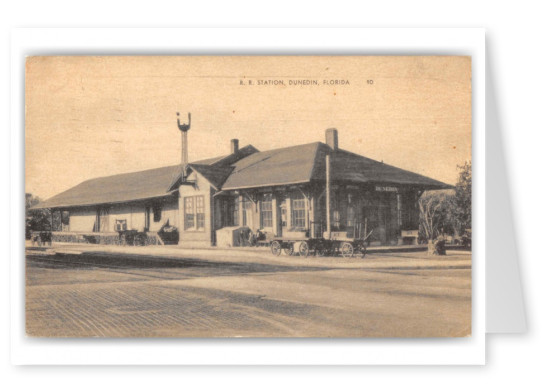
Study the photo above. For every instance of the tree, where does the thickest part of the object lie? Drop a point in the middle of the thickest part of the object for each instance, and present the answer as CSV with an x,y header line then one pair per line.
x,y
436,214
35,220
463,192
447,212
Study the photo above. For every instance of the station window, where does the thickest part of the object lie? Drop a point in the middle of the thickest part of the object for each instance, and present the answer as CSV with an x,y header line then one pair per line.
x,y
189,213
200,212
298,208
194,213
266,211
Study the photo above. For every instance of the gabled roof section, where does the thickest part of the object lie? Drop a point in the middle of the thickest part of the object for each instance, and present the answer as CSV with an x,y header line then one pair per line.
x,y
274,167
116,188
216,170
210,161
215,174
234,157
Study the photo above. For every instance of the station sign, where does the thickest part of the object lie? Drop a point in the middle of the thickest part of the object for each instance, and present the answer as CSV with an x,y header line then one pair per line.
x,y
386,188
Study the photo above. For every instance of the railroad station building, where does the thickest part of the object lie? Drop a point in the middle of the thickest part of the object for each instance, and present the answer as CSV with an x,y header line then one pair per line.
x,y
278,193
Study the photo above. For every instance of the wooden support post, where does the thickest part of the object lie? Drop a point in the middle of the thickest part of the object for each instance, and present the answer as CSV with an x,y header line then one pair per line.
x,y
276,217
181,219
311,224
289,209
240,210
328,193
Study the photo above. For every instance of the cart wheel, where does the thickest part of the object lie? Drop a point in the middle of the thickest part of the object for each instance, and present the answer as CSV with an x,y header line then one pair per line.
x,y
303,249
289,250
347,250
276,248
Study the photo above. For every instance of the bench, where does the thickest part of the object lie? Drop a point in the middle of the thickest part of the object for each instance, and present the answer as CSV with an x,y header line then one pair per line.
x,y
410,236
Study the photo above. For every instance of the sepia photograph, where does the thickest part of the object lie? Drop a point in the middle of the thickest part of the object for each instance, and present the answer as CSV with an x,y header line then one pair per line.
x,y
248,196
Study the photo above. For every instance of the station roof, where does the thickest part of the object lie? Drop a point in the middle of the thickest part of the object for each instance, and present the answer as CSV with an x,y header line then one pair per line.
x,y
248,168
306,163
116,189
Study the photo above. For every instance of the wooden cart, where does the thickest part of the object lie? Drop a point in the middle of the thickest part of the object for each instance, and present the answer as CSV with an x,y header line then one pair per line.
x,y
346,243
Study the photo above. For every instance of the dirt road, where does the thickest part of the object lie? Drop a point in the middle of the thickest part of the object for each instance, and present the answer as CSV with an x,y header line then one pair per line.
x,y
130,295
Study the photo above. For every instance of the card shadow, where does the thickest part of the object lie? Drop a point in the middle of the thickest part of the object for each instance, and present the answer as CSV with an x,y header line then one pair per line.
x,y
505,312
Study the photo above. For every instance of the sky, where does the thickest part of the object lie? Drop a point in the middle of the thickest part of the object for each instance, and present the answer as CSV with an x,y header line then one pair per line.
x,y
87,117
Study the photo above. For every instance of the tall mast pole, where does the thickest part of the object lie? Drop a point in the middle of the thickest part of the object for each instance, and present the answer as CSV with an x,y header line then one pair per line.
x,y
184,159
184,129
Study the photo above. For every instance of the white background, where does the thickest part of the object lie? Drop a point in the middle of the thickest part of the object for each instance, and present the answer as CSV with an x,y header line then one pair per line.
x,y
459,351
517,50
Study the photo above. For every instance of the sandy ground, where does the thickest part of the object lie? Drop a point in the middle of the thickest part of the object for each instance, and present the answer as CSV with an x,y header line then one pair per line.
x,y
77,292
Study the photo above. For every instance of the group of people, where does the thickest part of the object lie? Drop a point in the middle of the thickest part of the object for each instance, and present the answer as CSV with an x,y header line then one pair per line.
x,y
249,238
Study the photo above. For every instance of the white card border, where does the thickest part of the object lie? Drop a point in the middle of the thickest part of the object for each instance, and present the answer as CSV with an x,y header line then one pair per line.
x,y
387,41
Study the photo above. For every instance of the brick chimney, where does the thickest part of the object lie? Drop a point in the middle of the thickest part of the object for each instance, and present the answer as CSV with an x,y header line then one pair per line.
x,y
332,138
234,144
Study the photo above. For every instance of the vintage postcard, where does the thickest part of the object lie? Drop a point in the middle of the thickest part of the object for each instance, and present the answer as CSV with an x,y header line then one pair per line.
x,y
248,196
